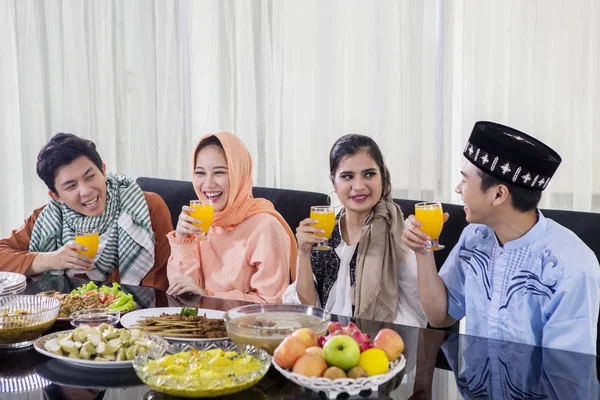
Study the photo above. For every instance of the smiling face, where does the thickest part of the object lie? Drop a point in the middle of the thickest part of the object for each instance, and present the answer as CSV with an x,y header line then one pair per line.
x,y
211,176
81,186
358,182
479,205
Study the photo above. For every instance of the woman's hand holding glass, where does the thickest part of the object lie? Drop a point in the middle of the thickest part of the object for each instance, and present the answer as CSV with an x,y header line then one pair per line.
x,y
306,235
186,224
324,219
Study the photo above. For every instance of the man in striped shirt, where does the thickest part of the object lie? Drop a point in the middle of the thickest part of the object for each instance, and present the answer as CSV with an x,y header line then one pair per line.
x,y
131,224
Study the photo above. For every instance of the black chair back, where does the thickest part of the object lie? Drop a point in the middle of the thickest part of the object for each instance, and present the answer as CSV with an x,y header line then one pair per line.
x,y
293,205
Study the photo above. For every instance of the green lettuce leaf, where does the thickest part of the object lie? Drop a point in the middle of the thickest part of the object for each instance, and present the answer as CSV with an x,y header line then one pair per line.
x,y
83,289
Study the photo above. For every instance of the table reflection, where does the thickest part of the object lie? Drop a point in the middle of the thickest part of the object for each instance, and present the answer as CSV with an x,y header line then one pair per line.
x,y
481,368
501,370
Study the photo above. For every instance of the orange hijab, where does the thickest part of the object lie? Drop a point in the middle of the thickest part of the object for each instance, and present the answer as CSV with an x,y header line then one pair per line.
x,y
241,204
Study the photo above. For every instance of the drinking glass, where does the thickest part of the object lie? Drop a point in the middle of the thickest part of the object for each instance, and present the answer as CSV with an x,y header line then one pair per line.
x,y
431,217
89,239
203,212
326,217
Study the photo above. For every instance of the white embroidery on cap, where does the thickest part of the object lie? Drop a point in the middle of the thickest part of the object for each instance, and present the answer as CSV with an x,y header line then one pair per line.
x,y
505,168
541,182
519,138
494,164
516,175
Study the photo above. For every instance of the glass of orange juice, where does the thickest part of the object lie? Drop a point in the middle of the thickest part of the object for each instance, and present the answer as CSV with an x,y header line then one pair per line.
x,y
326,217
431,217
89,239
203,212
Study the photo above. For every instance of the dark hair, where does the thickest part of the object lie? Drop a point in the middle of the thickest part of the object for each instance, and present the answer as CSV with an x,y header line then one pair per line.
x,y
211,140
60,150
522,199
349,145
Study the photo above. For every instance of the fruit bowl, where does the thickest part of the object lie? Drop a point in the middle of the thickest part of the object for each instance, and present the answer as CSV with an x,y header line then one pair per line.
x,y
266,325
203,382
24,318
333,388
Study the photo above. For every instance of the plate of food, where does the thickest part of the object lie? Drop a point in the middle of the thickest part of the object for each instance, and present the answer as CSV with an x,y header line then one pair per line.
x,y
202,369
24,318
266,325
90,295
178,323
98,347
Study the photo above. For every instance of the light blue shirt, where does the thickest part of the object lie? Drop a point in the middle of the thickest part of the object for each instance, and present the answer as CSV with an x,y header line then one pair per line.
x,y
542,289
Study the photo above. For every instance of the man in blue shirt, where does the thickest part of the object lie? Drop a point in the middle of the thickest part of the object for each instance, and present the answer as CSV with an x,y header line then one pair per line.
x,y
515,274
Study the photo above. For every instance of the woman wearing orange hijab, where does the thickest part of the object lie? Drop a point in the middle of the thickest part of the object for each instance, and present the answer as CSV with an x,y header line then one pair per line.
x,y
251,249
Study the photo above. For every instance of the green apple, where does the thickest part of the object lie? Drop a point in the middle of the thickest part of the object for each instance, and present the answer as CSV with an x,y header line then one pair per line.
x,y
341,351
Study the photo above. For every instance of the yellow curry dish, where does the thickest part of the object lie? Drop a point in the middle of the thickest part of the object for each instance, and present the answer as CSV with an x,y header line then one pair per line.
x,y
209,371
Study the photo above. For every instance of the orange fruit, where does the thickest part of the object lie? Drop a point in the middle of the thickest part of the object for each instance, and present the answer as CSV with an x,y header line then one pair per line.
x,y
374,361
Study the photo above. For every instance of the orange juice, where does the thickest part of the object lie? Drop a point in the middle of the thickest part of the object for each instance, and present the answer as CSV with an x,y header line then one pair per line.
x,y
89,240
204,212
431,217
326,220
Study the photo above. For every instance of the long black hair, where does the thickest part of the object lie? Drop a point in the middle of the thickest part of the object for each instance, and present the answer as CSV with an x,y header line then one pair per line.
x,y
349,145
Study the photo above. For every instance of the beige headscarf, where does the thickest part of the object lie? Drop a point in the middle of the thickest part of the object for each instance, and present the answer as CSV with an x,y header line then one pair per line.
x,y
375,295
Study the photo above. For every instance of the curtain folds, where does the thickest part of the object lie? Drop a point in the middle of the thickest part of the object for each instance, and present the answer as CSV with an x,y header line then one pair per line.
x,y
144,79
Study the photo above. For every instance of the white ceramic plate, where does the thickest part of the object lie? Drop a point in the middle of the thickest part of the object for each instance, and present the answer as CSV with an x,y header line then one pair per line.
x,y
11,279
131,319
12,290
39,347
11,282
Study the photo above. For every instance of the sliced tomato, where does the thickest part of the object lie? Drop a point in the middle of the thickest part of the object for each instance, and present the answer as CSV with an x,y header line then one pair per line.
x,y
91,292
110,298
102,297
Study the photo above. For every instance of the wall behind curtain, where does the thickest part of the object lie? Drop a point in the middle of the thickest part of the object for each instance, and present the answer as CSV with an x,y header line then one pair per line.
x,y
144,79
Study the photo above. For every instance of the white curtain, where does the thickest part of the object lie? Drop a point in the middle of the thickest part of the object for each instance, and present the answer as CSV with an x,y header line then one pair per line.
x,y
532,65
144,79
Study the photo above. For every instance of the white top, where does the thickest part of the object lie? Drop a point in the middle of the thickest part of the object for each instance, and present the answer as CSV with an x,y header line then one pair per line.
x,y
339,302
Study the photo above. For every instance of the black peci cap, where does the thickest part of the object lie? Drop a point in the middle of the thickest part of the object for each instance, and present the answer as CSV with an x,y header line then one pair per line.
x,y
511,155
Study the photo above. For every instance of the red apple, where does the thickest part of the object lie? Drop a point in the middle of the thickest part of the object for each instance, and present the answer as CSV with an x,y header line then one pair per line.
x,y
390,342
309,365
309,338
288,351
315,351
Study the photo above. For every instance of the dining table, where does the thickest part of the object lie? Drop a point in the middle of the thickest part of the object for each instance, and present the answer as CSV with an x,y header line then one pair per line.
x,y
439,364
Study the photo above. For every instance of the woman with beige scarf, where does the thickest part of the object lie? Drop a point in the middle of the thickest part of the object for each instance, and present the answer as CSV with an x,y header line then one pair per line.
x,y
368,273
